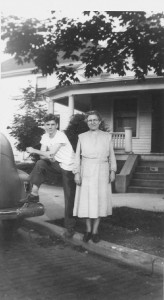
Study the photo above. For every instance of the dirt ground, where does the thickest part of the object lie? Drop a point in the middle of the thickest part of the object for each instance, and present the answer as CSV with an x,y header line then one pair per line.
x,y
132,228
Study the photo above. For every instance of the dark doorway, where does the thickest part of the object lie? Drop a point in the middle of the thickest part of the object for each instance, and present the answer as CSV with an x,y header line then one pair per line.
x,y
125,114
158,123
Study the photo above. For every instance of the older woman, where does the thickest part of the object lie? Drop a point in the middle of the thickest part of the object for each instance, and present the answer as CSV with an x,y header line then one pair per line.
x,y
95,167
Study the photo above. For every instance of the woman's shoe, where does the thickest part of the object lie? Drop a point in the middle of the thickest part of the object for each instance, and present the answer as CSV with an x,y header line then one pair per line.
x,y
95,238
87,236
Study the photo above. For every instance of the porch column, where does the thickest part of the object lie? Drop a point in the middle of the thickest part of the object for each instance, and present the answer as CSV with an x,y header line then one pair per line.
x,y
51,106
128,139
71,105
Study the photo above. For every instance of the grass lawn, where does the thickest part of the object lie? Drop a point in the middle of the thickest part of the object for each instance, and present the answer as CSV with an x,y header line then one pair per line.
x,y
129,227
132,228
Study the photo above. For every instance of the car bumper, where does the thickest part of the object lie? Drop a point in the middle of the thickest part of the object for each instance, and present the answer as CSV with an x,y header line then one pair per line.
x,y
28,210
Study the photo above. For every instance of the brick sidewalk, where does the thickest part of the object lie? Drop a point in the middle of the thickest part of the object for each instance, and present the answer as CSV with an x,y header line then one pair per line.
x,y
53,200
36,267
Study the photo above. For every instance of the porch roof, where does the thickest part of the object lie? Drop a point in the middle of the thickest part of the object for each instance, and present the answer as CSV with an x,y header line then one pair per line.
x,y
105,86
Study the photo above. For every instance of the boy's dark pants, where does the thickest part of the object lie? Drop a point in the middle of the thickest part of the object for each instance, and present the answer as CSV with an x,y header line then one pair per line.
x,y
38,176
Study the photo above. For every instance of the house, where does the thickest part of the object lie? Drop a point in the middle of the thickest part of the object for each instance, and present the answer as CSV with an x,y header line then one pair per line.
x,y
133,111
14,78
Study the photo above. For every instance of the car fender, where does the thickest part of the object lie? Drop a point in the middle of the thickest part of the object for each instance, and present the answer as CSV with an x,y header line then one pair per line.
x,y
10,184
14,186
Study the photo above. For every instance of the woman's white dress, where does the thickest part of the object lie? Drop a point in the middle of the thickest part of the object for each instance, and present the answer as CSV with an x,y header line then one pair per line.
x,y
94,159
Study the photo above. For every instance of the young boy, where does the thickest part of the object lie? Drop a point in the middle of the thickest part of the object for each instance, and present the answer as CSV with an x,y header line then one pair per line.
x,y
56,153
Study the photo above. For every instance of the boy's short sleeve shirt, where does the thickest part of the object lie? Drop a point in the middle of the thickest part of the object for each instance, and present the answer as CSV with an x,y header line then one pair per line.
x,y
59,138
65,155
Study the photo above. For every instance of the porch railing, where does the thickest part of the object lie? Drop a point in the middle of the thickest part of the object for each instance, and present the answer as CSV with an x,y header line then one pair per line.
x,y
123,140
118,139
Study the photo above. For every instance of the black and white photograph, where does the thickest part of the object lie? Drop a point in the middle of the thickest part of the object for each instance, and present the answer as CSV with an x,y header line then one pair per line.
x,y
82,150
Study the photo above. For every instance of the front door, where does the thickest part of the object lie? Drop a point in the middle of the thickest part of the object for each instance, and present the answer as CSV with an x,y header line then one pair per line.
x,y
125,114
157,145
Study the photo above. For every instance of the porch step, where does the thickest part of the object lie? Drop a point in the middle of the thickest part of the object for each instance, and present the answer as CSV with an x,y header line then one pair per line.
x,y
148,176
149,169
146,190
151,163
152,157
148,183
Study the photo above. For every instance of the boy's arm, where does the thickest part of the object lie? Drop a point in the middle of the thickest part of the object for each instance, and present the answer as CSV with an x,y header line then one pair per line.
x,y
43,149
45,153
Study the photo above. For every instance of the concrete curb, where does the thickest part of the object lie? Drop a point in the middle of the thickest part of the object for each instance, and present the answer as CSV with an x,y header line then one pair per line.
x,y
139,259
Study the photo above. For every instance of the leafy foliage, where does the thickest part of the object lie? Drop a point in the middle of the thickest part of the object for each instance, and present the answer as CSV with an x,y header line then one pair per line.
x,y
108,41
25,127
78,125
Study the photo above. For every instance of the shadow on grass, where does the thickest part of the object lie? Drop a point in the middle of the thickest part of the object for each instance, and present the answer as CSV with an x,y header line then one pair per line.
x,y
129,227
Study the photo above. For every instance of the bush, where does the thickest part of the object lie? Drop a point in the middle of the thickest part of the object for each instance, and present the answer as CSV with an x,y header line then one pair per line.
x,y
26,124
76,126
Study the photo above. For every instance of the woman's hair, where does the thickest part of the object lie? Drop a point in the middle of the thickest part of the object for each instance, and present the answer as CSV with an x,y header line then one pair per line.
x,y
93,112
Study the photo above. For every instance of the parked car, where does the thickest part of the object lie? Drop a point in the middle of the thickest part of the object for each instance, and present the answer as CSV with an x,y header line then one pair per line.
x,y
14,186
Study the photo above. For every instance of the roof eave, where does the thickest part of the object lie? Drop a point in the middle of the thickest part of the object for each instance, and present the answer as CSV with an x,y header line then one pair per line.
x,y
110,85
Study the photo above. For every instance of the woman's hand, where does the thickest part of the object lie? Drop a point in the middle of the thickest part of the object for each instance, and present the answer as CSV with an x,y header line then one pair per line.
x,y
112,176
77,178
30,150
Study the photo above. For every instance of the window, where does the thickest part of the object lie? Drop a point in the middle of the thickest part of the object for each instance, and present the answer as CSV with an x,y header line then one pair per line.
x,y
125,115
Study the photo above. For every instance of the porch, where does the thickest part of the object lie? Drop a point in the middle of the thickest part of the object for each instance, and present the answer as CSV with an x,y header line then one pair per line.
x,y
133,112
128,107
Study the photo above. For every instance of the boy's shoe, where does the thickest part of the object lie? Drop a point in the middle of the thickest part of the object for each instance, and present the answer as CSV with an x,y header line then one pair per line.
x,y
87,236
95,238
30,199
69,233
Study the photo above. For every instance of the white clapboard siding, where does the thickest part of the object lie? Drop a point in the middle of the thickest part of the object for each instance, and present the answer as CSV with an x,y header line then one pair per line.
x,y
142,144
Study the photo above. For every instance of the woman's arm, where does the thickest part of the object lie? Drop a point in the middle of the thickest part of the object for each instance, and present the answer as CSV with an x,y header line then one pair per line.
x,y
76,169
113,164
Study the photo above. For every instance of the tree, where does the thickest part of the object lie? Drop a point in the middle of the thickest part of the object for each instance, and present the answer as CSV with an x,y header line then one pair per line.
x,y
109,41
26,124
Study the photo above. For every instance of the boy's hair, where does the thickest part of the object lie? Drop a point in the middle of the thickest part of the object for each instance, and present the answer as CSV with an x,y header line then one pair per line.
x,y
50,117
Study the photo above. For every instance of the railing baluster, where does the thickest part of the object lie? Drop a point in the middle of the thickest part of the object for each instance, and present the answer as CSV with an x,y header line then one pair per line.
x,y
118,139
